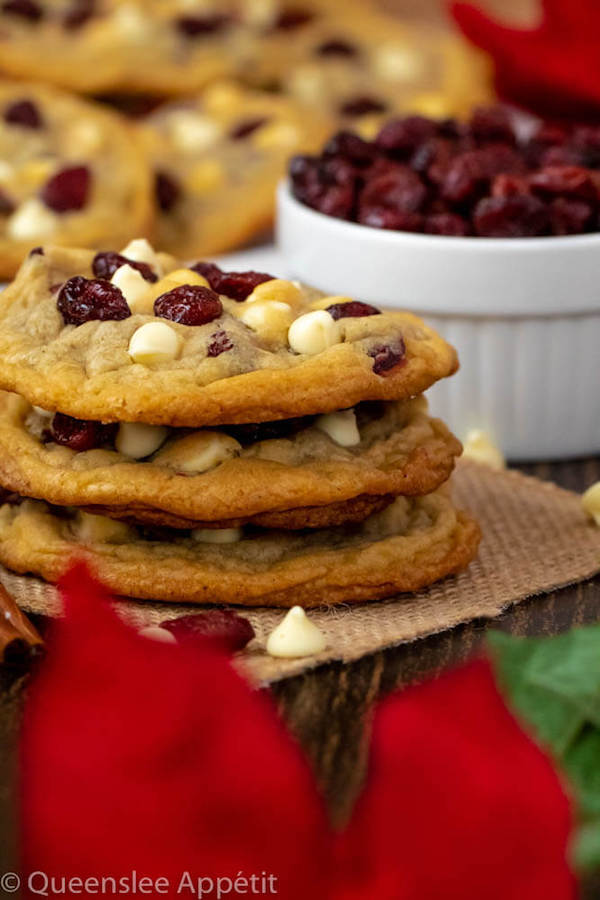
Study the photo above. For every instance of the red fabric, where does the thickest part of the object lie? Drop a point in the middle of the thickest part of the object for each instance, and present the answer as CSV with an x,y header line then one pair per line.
x,y
144,756
552,69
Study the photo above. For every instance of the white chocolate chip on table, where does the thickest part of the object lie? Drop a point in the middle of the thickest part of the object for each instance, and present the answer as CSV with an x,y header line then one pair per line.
x,y
590,501
479,447
295,636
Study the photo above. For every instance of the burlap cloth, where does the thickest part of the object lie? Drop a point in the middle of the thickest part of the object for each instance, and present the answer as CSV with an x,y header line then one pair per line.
x,y
535,538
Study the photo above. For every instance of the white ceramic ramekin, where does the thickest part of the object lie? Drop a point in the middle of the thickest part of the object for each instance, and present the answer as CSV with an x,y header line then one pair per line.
x,y
524,314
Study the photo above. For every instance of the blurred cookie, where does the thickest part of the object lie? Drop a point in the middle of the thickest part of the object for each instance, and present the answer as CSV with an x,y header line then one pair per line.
x,y
70,171
408,546
217,160
169,47
312,472
363,68
137,339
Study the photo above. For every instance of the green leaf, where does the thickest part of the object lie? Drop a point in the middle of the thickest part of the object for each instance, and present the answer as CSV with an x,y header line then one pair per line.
x,y
586,848
582,763
554,719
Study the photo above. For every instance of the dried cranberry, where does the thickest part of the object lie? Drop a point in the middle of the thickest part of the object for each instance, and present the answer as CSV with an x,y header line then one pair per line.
x,y
25,9
36,251
67,190
84,300
255,432
561,156
210,271
6,204
362,106
546,136
400,189
337,47
79,434
328,185
570,216
568,181
401,137
189,304
432,158
585,141
519,215
351,147
469,174
246,128
24,113
448,224
79,13
223,627
491,124
106,264
353,310
200,26
166,191
290,19
388,356
239,285
507,185
235,285
219,342
390,219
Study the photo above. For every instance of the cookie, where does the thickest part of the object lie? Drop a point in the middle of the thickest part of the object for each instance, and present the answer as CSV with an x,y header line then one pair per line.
x,y
361,69
411,544
70,171
217,159
71,341
312,472
145,45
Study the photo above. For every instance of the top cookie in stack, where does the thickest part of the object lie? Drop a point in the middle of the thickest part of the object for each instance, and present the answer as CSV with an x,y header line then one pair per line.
x,y
133,337
213,405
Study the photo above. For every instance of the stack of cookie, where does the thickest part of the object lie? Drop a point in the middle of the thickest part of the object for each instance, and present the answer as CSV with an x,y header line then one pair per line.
x,y
192,110
211,436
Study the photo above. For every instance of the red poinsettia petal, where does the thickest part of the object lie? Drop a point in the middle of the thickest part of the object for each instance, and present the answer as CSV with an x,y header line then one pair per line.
x,y
459,803
553,69
139,755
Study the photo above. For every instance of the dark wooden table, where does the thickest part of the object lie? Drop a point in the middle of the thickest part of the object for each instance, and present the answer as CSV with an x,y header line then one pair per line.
x,y
328,708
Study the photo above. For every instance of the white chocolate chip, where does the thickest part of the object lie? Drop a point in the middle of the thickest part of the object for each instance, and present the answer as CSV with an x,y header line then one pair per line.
x,y
93,529
479,447
131,22
7,172
154,342
140,250
341,427
590,501
84,137
31,220
398,63
192,132
133,286
217,535
313,333
199,452
137,440
276,289
295,636
270,319
155,633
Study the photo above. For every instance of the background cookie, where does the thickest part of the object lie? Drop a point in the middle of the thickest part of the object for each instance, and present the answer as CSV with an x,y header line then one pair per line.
x,y
361,68
217,159
70,171
72,342
409,545
287,475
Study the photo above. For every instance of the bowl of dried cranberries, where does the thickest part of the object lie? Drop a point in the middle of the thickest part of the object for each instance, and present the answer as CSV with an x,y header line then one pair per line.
x,y
490,229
